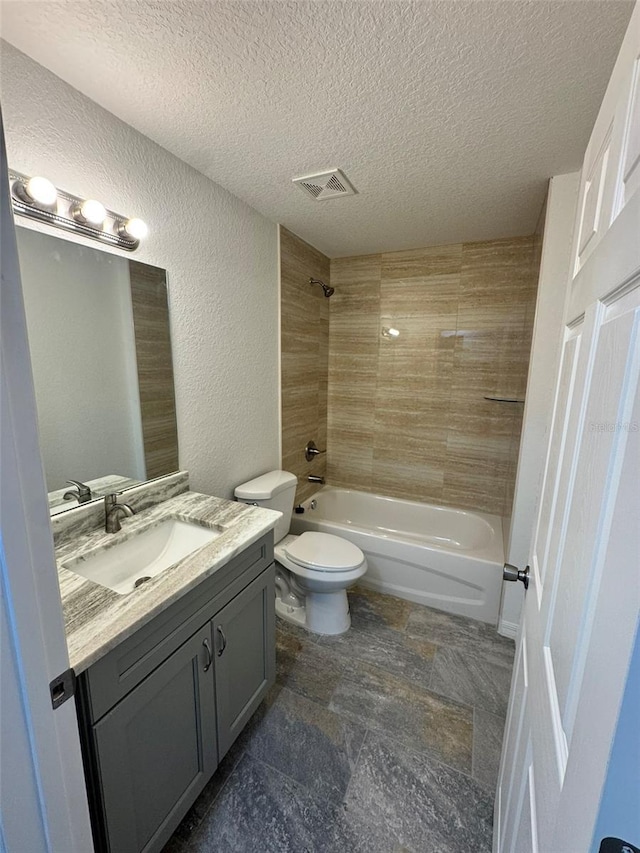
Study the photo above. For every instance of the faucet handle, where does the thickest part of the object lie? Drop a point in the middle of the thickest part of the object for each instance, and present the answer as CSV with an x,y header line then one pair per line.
x,y
84,492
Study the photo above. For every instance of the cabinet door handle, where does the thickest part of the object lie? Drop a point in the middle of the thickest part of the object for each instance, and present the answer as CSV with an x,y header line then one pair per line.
x,y
223,638
209,658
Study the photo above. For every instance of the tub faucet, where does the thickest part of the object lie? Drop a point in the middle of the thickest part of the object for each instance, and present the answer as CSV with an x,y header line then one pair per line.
x,y
113,511
81,493
313,478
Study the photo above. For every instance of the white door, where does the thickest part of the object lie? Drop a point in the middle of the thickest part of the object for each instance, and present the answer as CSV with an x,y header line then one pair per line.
x,y
581,609
43,801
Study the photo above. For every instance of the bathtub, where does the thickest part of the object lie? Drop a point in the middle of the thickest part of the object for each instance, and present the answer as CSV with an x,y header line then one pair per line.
x,y
434,555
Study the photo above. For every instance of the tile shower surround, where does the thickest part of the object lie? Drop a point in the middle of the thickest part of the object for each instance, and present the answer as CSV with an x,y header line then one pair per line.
x,y
305,353
385,739
407,415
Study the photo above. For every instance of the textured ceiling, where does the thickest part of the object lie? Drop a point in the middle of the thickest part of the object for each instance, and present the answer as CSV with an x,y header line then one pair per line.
x,y
447,116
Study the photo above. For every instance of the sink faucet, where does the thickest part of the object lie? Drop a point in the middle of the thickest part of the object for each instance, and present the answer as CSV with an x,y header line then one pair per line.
x,y
81,493
113,512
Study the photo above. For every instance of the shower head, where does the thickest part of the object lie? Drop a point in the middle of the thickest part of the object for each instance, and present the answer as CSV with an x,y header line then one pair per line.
x,y
328,291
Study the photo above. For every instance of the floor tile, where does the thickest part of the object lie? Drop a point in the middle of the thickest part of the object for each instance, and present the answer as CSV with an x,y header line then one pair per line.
x,y
414,716
262,810
404,656
379,609
446,629
404,800
472,679
488,732
313,745
306,668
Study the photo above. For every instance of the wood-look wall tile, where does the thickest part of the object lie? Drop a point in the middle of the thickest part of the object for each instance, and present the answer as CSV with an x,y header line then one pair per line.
x,y
434,260
304,316
406,416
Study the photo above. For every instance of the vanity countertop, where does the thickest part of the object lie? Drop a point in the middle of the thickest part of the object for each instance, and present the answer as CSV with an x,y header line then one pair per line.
x,y
97,619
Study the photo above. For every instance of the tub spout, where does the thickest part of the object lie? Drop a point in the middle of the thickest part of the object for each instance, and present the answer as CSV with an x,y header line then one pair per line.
x,y
313,478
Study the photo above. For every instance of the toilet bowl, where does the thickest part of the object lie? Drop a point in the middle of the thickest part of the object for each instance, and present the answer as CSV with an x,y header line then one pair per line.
x,y
313,570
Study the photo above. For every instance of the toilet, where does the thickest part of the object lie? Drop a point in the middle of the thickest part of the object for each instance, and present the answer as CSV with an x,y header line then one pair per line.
x,y
313,570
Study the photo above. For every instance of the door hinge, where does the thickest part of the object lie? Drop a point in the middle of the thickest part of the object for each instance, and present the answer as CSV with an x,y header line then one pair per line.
x,y
62,688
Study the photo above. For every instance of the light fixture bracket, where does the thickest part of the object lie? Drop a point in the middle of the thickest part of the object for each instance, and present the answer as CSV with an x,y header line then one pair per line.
x,y
60,215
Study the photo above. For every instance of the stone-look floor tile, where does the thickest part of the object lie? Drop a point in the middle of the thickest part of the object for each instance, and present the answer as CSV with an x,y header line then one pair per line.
x,y
369,642
262,810
446,629
408,713
310,744
306,668
403,800
288,629
378,609
488,733
472,679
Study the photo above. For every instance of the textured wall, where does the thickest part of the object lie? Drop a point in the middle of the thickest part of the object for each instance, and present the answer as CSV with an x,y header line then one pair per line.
x,y
305,350
220,256
407,414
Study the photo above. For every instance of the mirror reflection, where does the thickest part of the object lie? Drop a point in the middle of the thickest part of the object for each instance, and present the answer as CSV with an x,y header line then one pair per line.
x,y
100,346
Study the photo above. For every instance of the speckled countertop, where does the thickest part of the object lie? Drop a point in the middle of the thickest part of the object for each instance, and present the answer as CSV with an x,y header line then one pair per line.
x,y
97,619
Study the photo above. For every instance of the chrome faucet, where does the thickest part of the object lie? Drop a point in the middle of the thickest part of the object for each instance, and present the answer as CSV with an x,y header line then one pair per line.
x,y
314,478
113,512
82,495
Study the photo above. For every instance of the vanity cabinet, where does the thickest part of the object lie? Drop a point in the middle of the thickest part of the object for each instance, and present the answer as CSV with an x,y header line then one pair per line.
x,y
158,713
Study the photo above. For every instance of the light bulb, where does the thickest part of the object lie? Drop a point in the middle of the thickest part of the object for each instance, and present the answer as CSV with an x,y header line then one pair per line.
x,y
92,212
41,191
390,332
135,229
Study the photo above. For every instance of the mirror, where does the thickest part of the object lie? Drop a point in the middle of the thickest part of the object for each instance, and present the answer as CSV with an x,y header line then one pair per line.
x,y
100,346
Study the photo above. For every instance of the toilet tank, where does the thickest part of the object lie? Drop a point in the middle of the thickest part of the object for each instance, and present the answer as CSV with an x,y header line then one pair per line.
x,y
275,490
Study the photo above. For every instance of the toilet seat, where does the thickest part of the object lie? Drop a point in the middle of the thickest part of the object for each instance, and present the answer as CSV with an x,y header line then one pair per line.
x,y
323,552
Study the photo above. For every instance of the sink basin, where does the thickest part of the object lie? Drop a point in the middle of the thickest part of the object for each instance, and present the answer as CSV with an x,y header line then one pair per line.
x,y
144,555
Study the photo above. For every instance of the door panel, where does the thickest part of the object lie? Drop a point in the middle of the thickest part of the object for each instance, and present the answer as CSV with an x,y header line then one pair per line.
x,y
631,151
552,480
613,384
514,735
582,608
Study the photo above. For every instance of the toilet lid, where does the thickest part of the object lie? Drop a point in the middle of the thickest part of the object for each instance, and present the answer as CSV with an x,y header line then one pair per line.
x,y
325,552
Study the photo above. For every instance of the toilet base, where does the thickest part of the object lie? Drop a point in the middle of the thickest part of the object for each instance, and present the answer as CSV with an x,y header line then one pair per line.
x,y
322,613
328,612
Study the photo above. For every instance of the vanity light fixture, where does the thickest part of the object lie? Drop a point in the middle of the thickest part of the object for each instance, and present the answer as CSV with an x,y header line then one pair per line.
x,y
37,198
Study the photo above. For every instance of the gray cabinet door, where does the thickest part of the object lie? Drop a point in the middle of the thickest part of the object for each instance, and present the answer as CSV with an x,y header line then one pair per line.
x,y
245,663
157,748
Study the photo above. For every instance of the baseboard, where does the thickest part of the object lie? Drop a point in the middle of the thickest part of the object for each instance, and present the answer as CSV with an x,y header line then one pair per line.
x,y
508,629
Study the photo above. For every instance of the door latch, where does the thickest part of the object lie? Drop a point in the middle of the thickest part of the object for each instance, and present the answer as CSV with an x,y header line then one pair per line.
x,y
513,573
62,688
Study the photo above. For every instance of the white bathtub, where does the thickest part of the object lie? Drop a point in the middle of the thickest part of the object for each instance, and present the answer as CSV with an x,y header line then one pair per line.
x,y
442,557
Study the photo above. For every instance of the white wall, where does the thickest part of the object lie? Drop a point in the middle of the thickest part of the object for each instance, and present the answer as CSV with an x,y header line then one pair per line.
x,y
80,323
220,256
553,283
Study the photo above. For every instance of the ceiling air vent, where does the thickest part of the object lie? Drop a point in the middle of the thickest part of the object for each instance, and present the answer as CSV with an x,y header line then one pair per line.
x,y
331,184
